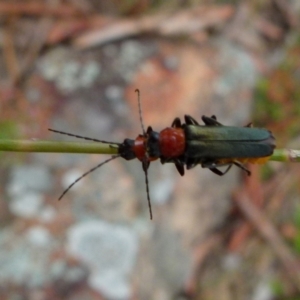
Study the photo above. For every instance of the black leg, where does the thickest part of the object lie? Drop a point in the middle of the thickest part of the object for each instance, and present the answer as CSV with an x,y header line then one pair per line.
x,y
211,121
179,166
213,167
176,123
190,120
220,173
242,167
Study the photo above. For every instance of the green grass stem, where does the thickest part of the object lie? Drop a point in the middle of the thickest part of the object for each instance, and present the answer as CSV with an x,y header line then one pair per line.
x,y
282,155
54,146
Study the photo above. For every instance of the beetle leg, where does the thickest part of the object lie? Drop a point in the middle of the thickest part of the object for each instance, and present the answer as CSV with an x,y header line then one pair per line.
x,y
220,173
190,120
242,167
249,125
213,167
176,123
179,166
191,162
211,121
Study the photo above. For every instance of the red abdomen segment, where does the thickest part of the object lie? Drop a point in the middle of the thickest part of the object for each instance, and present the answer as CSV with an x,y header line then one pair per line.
x,y
172,142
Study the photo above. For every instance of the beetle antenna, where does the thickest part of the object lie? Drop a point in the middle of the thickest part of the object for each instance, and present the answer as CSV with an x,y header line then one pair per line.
x,y
140,111
82,137
86,173
145,168
145,162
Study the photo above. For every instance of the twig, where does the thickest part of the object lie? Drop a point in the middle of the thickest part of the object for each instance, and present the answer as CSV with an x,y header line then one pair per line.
x,y
183,22
37,43
9,52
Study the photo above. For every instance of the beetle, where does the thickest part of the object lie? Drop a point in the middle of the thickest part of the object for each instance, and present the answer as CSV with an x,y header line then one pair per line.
x,y
189,144
211,145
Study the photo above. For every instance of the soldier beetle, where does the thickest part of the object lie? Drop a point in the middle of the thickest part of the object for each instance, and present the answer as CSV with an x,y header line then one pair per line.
x,y
189,144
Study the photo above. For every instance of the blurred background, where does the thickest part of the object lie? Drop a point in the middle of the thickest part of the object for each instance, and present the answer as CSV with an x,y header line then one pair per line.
x,y
73,65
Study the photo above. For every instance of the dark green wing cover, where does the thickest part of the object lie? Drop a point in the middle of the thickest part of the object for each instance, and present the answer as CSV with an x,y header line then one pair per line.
x,y
216,142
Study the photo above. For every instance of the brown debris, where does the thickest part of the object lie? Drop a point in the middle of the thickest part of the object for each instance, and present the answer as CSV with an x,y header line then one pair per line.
x,y
186,22
37,9
266,229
